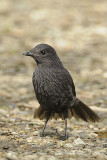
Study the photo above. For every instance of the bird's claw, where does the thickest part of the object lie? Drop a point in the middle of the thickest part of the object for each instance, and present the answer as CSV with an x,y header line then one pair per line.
x,y
42,134
63,138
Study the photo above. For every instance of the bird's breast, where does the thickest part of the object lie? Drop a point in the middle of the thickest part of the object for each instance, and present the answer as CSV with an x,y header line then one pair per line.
x,y
51,88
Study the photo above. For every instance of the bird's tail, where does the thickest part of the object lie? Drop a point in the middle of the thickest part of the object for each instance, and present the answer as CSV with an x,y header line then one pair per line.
x,y
78,109
82,111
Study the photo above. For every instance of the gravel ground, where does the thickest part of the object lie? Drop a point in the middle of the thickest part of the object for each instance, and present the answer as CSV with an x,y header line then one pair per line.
x,y
78,32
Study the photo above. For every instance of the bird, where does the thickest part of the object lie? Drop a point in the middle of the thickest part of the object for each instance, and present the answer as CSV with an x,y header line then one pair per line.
x,y
55,90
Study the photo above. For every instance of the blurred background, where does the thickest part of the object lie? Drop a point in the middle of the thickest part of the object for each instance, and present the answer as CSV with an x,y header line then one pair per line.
x,y
77,29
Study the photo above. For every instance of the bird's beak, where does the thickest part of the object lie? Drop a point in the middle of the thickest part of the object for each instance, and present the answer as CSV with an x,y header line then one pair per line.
x,y
28,54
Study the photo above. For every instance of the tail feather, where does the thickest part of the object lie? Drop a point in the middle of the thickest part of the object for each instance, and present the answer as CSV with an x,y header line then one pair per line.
x,y
79,110
83,112
40,113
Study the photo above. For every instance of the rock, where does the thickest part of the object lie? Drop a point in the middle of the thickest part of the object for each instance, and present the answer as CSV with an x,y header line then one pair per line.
x,y
42,158
51,158
3,112
35,133
11,156
102,134
96,154
79,131
78,141
104,145
58,153
84,136
93,135
30,139
60,129
103,129
30,157
79,153
96,129
69,145
91,126
14,133
71,139
88,151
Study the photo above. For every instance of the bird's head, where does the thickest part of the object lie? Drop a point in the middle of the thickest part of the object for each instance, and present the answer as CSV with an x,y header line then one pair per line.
x,y
42,53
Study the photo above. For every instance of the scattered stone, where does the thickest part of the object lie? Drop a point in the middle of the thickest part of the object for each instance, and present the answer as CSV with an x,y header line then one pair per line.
x,y
79,153
58,153
30,139
78,141
14,133
96,129
71,139
102,134
3,112
69,145
103,129
104,145
27,127
84,136
98,154
79,131
60,129
11,156
6,147
42,158
51,158
93,135
91,126
35,133
30,157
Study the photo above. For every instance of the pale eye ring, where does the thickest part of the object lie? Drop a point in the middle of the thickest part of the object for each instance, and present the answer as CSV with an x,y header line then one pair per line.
x,y
43,52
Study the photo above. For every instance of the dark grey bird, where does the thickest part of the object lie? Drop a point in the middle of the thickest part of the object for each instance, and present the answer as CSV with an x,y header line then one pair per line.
x,y
55,90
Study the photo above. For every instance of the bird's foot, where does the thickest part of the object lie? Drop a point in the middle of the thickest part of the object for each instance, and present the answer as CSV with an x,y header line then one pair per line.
x,y
42,134
63,138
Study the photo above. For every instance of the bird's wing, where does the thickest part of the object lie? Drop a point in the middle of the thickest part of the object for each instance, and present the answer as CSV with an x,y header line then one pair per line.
x,y
70,81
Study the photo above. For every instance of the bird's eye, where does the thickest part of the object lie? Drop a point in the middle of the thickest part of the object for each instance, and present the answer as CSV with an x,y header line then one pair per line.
x,y
43,52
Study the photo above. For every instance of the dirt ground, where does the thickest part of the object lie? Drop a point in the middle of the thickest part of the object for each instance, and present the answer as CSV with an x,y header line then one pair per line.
x,y
78,31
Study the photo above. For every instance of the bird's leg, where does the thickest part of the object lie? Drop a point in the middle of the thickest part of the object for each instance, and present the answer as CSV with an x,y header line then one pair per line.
x,y
66,134
42,133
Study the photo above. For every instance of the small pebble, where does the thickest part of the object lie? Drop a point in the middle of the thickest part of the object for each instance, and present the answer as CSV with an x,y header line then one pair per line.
x,y
103,129
96,129
51,158
30,157
11,155
99,155
78,141
3,112
69,145
60,129
42,158
91,126
30,139
35,133
104,145
93,135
